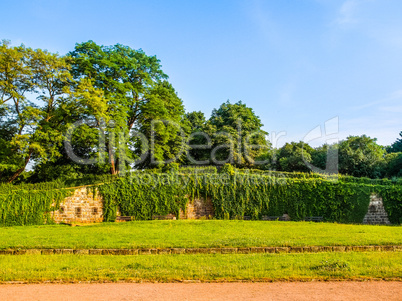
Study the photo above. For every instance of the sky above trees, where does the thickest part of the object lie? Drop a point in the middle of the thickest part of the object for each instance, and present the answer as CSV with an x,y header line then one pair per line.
x,y
296,63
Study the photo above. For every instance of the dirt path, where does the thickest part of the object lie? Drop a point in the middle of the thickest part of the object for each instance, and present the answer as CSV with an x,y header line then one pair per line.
x,y
373,290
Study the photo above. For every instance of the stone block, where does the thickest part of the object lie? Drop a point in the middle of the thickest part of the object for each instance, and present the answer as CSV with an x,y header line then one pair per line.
x,y
20,252
33,252
387,248
95,252
228,250
214,250
178,250
257,250
243,250
339,248
296,250
144,251
7,252
47,251
327,249
279,250
81,252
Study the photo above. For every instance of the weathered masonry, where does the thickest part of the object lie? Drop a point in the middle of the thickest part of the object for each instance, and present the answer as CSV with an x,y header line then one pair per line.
x,y
81,207
376,214
84,207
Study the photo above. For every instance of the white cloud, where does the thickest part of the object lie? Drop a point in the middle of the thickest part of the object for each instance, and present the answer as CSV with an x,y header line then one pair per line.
x,y
394,96
262,18
347,12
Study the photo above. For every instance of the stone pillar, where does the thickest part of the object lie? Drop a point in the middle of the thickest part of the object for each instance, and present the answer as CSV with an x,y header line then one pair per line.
x,y
376,214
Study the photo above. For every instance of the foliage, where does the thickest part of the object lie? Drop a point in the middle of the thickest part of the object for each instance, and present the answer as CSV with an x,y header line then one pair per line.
x,y
34,130
237,135
171,167
235,195
396,147
227,168
393,166
256,195
163,123
392,200
293,157
198,234
198,169
137,93
209,268
29,207
199,142
361,156
143,195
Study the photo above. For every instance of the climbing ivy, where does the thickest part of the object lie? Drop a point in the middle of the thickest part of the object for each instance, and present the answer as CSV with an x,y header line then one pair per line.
x,y
392,200
144,195
29,207
234,194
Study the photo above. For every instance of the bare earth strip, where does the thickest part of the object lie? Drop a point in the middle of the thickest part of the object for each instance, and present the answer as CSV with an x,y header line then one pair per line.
x,y
370,290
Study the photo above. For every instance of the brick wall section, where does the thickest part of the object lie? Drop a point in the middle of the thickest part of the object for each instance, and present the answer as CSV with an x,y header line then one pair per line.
x,y
376,214
81,207
198,208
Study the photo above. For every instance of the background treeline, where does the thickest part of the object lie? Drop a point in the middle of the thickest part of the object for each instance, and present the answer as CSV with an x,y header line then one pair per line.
x,y
119,91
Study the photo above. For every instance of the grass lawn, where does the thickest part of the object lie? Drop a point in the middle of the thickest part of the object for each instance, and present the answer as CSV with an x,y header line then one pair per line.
x,y
197,233
209,267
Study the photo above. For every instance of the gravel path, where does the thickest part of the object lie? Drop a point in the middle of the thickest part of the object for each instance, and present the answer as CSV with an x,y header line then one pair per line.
x,y
371,290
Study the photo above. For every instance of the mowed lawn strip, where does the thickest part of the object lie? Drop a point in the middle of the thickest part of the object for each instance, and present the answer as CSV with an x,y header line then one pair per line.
x,y
197,234
207,267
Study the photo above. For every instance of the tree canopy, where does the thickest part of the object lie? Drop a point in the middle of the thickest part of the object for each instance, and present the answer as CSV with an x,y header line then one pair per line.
x,y
105,109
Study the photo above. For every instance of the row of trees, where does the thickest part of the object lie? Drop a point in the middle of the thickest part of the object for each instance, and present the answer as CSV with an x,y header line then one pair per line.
x,y
358,156
114,90
112,108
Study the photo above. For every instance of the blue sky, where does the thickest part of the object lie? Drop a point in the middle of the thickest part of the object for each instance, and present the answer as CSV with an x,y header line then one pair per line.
x,y
296,63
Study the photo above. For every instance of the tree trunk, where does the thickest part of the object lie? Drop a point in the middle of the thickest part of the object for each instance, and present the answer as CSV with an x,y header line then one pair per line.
x,y
19,171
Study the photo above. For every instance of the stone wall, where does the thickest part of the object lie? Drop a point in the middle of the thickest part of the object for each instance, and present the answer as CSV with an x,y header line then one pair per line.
x,y
81,207
376,214
198,208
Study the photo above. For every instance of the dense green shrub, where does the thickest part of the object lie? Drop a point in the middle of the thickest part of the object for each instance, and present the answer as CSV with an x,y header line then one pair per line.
x,y
392,200
235,196
29,207
142,194
257,195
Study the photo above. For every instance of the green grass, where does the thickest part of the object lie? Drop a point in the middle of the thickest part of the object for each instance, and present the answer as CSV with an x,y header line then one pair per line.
x,y
199,233
210,267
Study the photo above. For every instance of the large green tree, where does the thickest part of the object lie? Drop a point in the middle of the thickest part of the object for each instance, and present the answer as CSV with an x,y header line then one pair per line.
x,y
32,127
237,135
361,156
136,93
199,142
396,147
294,156
393,165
